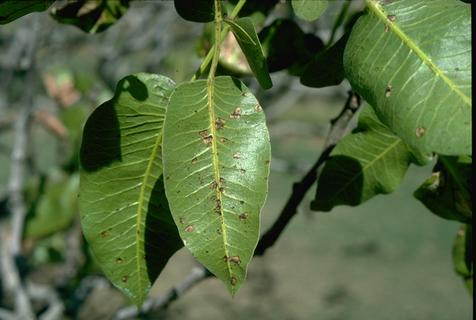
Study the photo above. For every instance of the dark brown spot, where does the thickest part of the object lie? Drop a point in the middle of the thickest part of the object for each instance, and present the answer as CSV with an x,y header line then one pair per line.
x,y
125,278
213,185
244,94
233,280
392,17
219,231
181,220
222,180
221,189
217,206
236,155
119,260
189,228
219,123
194,160
258,108
236,114
104,234
225,259
267,162
419,132
167,178
243,216
388,91
203,133
242,171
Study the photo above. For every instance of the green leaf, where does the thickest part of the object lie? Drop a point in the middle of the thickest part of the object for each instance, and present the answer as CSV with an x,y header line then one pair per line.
x,y
370,161
13,9
216,154
55,207
327,67
124,211
246,36
285,45
463,258
309,10
447,193
411,59
91,16
196,10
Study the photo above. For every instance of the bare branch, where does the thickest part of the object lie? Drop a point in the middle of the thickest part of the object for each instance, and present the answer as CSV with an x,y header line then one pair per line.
x,y
339,127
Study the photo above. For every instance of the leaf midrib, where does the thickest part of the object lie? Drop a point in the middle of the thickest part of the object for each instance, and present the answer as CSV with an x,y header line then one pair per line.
x,y
215,165
377,9
140,206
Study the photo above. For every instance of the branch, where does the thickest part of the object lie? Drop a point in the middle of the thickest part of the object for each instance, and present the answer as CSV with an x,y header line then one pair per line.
x,y
339,127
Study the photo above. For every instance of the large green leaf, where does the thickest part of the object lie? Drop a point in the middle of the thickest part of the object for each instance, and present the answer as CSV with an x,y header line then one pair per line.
x,y
246,36
124,211
463,257
411,59
196,10
370,161
309,10
91,15
13,9
216,155
447,192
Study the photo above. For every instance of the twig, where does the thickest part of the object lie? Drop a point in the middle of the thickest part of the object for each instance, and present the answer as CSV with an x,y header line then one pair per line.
x,y
339,127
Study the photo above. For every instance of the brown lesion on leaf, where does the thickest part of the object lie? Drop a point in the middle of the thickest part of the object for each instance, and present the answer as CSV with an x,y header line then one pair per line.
x,y
236,114
213,185
234,259
388,91
189,228
221,189
243,216
194,160
267,162
206,137
104,234
392,17
420,131
219,123
258,108
233,280
119,260
217,208
236,155
242,171
181,220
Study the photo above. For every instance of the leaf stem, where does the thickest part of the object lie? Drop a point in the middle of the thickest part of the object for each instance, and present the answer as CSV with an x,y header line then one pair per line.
x,y
208,58
216,45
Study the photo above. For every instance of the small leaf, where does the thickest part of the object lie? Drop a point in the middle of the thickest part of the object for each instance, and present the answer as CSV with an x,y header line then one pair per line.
x,y
368,162
327,67
196,10
286,46
447,193
55,207
216,164
13,9
245,34
91,16
124,211
463,258
411,59
309,10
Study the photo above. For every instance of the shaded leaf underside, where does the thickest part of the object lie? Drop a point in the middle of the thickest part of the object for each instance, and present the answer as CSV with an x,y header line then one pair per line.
x,y
124,212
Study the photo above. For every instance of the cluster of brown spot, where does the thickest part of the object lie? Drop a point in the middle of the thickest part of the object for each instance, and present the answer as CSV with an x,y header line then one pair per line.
x,y
419,132
217,208
219,123
236,114
206,137
388,91
189,228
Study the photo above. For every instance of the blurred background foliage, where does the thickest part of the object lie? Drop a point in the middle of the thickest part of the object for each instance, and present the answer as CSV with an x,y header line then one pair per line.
x,y
386,259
